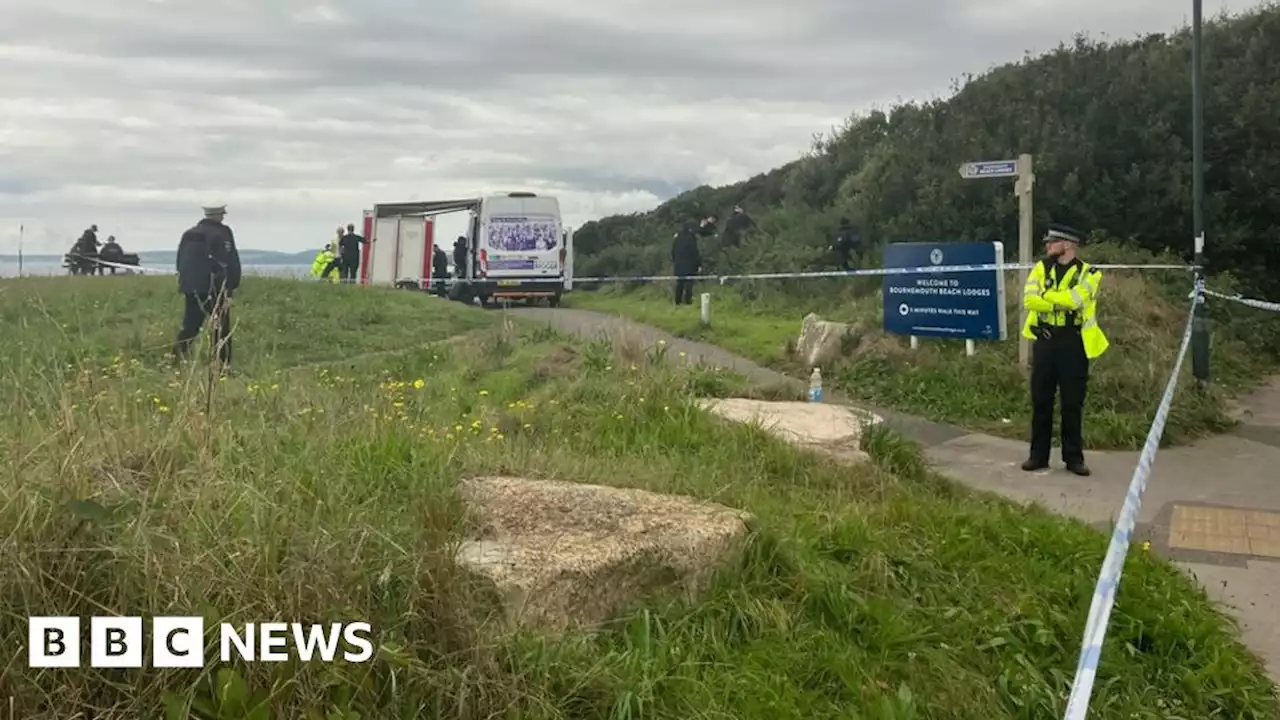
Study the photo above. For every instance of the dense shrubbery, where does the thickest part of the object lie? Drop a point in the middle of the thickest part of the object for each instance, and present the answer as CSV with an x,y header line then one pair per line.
x,y
1109,125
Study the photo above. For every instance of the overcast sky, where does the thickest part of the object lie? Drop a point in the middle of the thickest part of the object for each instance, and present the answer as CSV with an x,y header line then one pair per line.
x,y
299,114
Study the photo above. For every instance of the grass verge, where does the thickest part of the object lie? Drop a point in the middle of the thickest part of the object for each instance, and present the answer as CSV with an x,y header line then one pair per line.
x,y
1143,315
325,493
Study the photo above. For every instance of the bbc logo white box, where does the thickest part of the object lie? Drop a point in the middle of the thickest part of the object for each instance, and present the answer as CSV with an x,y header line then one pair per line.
x,y
53,642
177,642
115,642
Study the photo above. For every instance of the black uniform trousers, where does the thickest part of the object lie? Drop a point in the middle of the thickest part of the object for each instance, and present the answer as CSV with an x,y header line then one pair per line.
x,y
684,290
198,309
350,268
1060,367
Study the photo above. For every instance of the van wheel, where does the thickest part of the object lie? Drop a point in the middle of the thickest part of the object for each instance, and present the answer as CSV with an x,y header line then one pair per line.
x,y
554,301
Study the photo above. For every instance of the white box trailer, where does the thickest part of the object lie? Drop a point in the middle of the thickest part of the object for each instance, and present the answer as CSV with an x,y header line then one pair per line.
x,y
399,251
516,248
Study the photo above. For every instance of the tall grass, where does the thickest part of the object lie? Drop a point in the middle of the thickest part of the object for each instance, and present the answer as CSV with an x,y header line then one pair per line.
x,y
315,489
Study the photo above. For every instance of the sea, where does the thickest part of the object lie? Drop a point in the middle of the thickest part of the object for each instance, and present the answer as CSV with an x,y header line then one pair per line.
x,y
42,268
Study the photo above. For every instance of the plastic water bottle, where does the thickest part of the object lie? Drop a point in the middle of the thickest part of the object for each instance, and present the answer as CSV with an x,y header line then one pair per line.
x,y
815,386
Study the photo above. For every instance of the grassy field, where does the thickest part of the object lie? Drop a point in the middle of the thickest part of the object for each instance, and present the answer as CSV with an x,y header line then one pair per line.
x,y
318,488
1143,316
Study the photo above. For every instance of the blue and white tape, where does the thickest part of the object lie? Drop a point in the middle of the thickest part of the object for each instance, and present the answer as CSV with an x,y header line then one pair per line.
x,y
1259,304
122,266
864,272
1104,593
722,279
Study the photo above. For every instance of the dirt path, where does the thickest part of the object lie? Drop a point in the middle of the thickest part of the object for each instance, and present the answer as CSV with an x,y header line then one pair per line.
x,y
1213,507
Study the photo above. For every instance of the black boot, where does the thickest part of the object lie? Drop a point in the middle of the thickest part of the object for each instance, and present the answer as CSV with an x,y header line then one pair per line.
x,y
1031,465
1079,468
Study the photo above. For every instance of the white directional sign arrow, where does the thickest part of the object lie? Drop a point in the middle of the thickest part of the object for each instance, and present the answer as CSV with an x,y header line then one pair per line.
x,y
989,169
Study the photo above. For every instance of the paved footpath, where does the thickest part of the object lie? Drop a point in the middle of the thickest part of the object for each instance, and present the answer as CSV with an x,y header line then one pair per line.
x,y
1213,507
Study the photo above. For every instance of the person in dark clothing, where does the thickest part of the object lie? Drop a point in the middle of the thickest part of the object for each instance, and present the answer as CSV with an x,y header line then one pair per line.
x,y
439,271
111,252
208,275
86,250
88,242
349,253
686,257
736,227
460,257
848,244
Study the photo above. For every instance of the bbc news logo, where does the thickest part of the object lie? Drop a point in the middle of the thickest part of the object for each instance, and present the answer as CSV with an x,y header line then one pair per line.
x,y
179,642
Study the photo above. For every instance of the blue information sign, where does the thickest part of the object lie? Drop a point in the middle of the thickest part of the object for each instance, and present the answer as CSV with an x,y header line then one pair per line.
x,y
966,304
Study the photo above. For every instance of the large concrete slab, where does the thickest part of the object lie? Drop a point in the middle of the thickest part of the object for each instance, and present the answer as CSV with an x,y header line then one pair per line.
x,y
821,426
564,554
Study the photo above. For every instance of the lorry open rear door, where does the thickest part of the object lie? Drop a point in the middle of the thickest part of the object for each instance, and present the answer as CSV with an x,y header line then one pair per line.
x,y
399,250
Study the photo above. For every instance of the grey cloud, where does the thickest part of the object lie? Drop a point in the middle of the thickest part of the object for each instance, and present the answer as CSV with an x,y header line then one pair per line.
x,y
132,112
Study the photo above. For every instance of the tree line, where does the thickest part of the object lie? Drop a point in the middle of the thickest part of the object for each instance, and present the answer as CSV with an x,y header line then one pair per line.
x,y
1108,124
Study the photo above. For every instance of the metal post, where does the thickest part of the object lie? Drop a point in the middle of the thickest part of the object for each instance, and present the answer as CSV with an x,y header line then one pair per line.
x,y
1026,226
1200,321
22,230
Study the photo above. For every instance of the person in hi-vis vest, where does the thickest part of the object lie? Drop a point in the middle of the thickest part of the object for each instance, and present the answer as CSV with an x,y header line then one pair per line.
x,y
325,265
1061,302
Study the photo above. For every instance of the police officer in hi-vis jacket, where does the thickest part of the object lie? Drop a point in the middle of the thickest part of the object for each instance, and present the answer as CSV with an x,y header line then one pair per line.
x,y
1061,300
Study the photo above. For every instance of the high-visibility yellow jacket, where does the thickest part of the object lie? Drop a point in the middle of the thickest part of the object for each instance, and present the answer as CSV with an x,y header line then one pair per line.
x,y
321,262
1074,301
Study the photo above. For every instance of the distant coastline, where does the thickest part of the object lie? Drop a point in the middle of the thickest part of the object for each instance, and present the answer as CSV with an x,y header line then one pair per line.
x,y
169,257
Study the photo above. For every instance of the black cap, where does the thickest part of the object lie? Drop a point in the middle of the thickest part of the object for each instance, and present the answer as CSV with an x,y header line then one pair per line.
x,y
1058,231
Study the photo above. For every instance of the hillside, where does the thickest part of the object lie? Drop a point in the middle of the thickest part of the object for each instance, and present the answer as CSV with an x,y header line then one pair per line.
x,y
322,483
1108,125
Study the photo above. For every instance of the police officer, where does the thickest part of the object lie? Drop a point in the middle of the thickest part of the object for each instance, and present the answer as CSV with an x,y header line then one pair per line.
x,y
208,274
439,271
686,257
1061,298
349,253
847,244
736,227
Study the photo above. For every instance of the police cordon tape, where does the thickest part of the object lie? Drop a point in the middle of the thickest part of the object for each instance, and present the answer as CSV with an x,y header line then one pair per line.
x,y
1259,304
1104,592
722,279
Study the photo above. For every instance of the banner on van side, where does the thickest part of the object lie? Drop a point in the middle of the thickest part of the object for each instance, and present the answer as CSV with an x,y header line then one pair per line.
x,y
523,234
